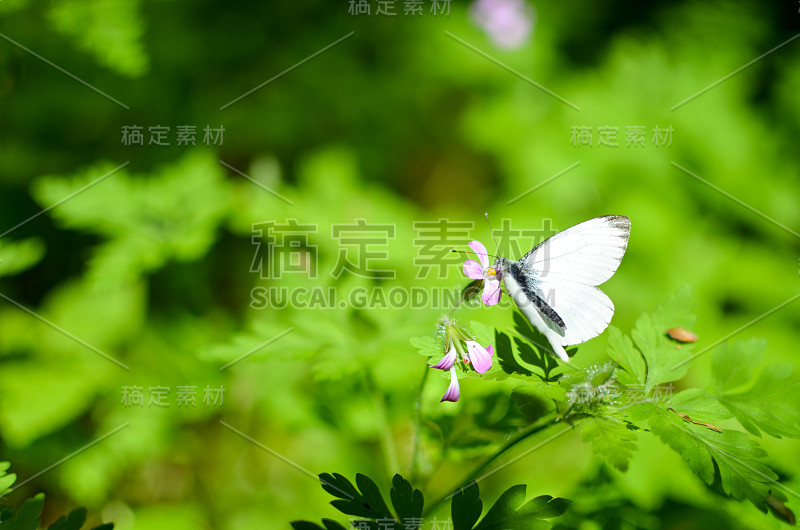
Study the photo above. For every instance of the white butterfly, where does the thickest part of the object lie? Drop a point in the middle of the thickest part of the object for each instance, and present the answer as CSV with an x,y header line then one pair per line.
x,y
554,285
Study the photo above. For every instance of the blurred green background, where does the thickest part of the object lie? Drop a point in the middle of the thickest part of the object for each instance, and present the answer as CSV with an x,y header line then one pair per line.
x,y
398,123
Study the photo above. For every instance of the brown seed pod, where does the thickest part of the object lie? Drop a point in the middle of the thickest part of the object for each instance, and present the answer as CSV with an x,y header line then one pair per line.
x,y
681,335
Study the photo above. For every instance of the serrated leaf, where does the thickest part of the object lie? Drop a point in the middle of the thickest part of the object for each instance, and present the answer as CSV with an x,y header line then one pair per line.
x,y
73,521
697,403
481,332
665,361
535,349
505,356
368,502
509,512
427,346
27,517
769,402
611,439
6,480
466,507
621,350
735,455
407,501
733,365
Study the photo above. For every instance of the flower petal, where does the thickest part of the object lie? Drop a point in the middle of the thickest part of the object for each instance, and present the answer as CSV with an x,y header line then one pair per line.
x,y
453,391
491,292
448,360
473,269
480,251
490,350
480,356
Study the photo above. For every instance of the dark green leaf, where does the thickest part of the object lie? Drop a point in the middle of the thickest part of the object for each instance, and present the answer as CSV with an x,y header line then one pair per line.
x,y
367,502
466,507
305,525
73,521
407,501
509,512
27,517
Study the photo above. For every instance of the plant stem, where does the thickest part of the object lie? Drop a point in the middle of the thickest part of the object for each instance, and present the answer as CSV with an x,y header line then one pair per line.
x,y
418,426
477,471
387,440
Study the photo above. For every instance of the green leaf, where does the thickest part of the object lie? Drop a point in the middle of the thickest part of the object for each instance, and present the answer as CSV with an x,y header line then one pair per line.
x,y
73,521
733,365
664,360
368,502
407,501
27,517
535,349
308,525
305,525
6,480
481,332
509,512
697,403
731,454
466,507
505,356
611,439
17,256
621,350
427,346
769,402
111,30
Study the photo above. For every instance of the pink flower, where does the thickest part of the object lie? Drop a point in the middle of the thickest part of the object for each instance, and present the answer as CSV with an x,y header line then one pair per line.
x,y
508,22
479,357
480,270
453,391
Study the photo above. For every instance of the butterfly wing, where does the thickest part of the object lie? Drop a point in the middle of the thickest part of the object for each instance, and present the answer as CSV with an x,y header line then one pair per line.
x,y
588,253
530,303
585,310
565,269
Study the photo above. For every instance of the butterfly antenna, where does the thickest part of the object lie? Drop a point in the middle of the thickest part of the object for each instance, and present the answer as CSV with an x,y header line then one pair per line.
x,y
491,232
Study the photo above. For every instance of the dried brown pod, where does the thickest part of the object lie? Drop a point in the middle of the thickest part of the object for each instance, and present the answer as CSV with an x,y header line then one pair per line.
x,y
681,335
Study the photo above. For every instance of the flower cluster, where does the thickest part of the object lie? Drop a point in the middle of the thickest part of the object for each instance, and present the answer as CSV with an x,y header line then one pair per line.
x,y
460,346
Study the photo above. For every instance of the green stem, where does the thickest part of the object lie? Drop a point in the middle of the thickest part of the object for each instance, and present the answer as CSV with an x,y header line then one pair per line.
x,y
387,440
418,426
477,471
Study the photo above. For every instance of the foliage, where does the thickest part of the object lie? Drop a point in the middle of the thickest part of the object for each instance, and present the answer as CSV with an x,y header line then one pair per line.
x,y
155,264
509,512
27,516
613,402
